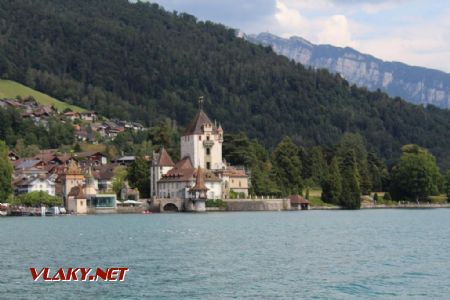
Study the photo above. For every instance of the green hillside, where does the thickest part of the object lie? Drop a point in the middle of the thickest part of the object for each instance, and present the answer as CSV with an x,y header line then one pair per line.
x,y
11,89
137,61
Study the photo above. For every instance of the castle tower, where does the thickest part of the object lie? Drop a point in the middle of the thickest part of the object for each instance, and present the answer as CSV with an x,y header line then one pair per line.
x,y
198,192
202,143
91,188
73,177
161,164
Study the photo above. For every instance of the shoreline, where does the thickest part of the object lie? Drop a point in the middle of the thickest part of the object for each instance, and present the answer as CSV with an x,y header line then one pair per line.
x,y
222,209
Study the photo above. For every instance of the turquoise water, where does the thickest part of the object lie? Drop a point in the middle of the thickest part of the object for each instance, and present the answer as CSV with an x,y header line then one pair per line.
x,y
316,254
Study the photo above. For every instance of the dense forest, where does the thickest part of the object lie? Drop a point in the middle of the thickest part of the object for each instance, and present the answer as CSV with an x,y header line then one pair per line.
x,y
140,62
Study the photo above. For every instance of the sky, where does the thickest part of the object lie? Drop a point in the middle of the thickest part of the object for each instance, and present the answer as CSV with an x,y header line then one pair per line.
x,y
416,32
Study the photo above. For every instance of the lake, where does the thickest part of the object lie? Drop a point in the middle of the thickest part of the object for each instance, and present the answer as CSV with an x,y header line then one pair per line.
x,y
254,255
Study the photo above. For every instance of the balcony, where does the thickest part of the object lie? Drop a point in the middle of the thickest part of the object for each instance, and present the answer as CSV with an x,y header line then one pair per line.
x,y
208,144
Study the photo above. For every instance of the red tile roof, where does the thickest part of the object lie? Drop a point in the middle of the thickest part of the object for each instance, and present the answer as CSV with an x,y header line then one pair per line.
x,y
164,159
297,199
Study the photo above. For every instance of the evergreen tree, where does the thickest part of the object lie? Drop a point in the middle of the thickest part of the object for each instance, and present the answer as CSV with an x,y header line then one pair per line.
x,y
351,192
6,171
332,184
287,167
77,148
318,165
366,183
139,176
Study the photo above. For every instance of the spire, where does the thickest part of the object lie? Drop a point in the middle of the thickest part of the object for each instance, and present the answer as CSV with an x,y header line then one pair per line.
x,y
89,177
201,100
199,182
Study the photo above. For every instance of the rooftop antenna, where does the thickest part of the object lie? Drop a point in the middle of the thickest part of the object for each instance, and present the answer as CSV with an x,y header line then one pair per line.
x,y
201,100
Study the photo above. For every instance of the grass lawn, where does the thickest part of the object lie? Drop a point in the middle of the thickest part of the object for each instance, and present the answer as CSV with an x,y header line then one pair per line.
x,y
316,201
11,89
441,199
92,148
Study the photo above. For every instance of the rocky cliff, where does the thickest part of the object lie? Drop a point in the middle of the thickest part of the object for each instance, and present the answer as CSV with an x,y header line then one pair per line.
x,y
415,84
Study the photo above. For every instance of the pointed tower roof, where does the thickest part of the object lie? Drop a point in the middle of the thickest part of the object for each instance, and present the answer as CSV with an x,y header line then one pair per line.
x,y
73,169
164,158
195,127
199,181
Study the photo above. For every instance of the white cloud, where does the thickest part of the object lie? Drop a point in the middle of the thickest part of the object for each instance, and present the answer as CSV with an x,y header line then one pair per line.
x,y
334,29
336,32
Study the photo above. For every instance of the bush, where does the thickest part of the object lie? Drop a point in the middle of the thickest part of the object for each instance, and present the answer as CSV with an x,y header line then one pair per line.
x,y
216,203
387,196
37,198
375,197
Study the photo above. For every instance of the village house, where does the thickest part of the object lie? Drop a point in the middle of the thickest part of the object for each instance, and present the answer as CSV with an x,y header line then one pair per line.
x,y
13,156
37,183
72,115
235,180
90,116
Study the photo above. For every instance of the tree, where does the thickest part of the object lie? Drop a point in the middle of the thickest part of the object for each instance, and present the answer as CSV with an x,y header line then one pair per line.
x,y
287,167
351,193
416,176
6,171
318,165
332,184
37,198
77,147
118,182
355,142
447,185
139,176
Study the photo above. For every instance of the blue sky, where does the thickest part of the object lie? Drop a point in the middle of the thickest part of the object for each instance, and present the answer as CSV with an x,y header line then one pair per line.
x,y
416,32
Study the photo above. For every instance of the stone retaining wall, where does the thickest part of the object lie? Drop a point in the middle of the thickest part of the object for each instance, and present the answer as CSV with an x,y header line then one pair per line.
x,y
258,205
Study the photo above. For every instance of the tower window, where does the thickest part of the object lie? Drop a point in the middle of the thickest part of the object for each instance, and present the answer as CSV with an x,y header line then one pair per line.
x,y
208,151
199,137
207,137
208,165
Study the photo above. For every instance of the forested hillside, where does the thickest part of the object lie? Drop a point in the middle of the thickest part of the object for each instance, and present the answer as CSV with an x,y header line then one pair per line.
x,y
137,61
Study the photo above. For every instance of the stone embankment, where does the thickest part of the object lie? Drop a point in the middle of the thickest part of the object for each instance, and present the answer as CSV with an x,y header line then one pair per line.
x,y
254,205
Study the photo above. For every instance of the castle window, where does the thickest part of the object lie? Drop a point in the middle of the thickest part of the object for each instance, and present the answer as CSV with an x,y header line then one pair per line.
x,y
208,151
207,137
208,165
199,137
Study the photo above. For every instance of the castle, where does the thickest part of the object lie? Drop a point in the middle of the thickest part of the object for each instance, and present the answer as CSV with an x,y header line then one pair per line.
x,y
201,174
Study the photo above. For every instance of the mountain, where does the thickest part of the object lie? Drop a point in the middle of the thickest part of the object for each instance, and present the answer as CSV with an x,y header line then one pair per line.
x,y
415,84
137,61
11,89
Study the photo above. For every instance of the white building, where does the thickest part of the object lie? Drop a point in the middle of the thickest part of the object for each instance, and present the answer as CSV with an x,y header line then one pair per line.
x,y
40,183
202,143
177,182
